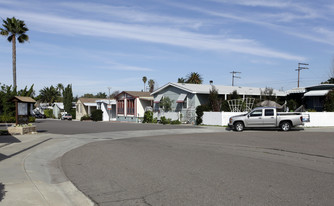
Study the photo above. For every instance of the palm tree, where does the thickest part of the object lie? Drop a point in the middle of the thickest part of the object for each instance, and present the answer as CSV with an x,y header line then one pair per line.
x,y
194,78
144,80
48,94
14,28
60,88
151,85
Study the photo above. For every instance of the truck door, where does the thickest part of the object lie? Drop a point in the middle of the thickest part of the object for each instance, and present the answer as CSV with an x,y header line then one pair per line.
x,y
269,118
254,119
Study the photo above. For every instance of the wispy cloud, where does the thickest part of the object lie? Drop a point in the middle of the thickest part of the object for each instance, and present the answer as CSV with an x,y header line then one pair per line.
x,y
272,20
153,34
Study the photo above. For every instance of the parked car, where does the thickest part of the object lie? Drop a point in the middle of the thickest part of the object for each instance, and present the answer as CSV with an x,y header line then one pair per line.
x,y
40,115
266,117
66,116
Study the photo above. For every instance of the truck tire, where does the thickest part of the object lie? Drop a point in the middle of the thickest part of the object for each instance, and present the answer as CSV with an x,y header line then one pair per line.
x,y
238,126
285,126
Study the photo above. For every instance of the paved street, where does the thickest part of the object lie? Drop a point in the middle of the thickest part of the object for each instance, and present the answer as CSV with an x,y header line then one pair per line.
x,y
78,127
147,164
225,168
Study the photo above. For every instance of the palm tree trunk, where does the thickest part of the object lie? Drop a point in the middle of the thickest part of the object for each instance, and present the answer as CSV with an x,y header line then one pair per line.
x,y
14,60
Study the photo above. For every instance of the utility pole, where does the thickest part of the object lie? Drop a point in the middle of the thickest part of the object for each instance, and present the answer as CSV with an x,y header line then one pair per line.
x,y
233,76
109,105
300,68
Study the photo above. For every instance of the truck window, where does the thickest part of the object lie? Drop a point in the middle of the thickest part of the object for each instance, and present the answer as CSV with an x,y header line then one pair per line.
x,y
256,113
269,112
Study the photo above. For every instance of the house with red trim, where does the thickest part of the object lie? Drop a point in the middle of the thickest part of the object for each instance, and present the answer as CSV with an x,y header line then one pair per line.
x,y
131,105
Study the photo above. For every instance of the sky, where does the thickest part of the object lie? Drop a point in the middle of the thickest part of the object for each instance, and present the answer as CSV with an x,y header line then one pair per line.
x,y
96,44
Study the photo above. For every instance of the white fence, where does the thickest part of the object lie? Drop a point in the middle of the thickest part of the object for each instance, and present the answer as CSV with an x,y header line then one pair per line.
x,y
317,119
168,115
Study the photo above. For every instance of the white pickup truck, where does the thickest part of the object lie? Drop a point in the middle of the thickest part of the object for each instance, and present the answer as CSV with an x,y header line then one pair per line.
x,y
266,117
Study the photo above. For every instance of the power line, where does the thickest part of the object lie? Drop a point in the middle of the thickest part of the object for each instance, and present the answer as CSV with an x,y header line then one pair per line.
x,y
300,68
233,76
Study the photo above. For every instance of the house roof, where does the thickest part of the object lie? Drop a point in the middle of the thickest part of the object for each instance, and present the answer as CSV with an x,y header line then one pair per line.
x,y
222,90
89,100
320,87
60,105
24,99
316,93
138,94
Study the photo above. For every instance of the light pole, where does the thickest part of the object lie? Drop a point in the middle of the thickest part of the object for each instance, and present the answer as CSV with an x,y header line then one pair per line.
x,y
109,105
300,68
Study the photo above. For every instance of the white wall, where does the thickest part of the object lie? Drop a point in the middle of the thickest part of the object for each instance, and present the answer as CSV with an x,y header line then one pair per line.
x,y
320,119
218,118
317,119
168,115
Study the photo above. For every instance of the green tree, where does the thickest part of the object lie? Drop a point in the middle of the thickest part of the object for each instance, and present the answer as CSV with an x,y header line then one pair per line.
x,y
151,84
194,78
234,95
88,95
166,104
268,94
48,94
14,28
329,101
68,98
181,80
101,95
144,80
214,101
60,88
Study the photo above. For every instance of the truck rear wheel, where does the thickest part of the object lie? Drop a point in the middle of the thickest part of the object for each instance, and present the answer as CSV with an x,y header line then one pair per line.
x,y
285,126
238,126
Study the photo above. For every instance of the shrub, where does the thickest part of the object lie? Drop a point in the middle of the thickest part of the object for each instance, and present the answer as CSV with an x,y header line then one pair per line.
x,y
86,117
199,113
148,117
7,119
97,115
163,120
175,122
73,113
155,120
49,113
31,119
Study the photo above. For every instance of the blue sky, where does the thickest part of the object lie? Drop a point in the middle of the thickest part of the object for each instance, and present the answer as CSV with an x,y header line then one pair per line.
x,y
94,45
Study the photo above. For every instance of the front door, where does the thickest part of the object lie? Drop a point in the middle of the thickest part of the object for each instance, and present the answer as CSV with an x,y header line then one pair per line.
x,y
254,119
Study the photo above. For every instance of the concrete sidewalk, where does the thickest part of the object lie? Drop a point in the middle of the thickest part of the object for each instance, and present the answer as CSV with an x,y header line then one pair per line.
x,y
31,172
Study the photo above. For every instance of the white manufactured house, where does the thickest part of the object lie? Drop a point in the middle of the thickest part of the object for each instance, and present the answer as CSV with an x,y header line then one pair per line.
x,y
186,97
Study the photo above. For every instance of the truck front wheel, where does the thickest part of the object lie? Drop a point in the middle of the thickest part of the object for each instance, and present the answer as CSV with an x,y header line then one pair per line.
x,y
238,126
285,126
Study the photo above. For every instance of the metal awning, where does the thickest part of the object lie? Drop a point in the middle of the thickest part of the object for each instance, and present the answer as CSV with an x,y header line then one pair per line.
x,y
90,104
158,98
181,98
316,93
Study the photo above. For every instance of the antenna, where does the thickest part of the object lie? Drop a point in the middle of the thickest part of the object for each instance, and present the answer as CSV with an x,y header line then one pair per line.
x,y
233,76
300,68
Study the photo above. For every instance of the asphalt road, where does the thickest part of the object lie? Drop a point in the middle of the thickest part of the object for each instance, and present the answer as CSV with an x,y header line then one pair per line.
x,y
78,127
227,168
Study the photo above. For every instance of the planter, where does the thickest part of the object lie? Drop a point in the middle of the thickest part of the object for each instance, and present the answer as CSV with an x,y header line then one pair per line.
x,y
22,130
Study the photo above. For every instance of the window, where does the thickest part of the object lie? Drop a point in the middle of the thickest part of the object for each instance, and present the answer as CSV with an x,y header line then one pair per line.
x,y
269,112
256,113
120,106
130,106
